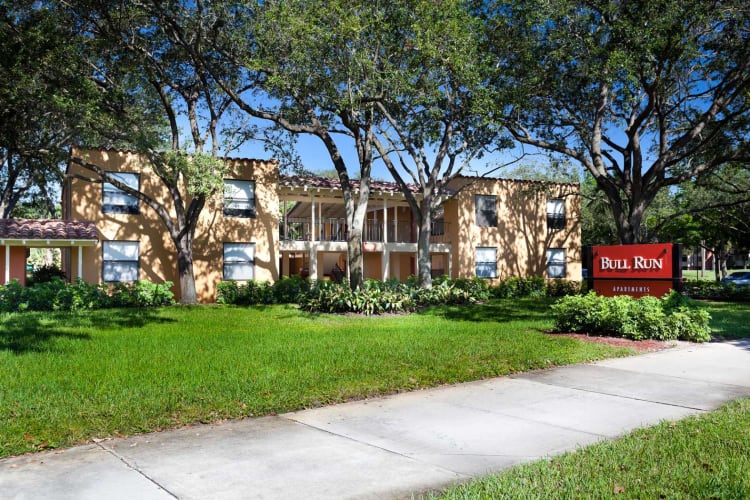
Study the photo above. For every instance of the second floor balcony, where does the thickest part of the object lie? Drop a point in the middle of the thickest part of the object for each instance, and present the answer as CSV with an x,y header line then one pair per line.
x,y
336,229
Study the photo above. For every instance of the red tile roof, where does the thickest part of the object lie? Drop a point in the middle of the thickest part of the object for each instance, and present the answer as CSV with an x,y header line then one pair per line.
x,y
47,229
294,181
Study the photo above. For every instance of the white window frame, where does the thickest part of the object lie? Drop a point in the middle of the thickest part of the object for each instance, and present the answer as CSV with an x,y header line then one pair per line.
x,y
556,214
556,263
118,261
241,255
117,201
239,198
482,262
481,220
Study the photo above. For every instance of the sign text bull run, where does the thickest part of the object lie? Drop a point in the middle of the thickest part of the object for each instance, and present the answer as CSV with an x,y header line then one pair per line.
x,y
636,270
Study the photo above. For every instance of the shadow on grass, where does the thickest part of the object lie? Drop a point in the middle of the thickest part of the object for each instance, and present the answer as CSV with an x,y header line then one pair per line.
x,y
34,332
501,310
30,332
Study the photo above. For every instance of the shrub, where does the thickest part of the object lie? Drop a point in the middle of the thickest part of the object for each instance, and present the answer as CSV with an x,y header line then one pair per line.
x,y
45,274
562,288
648,321
715,291
690,324
57,295
646,318
227,292
377,297
477,288
516,287
288,289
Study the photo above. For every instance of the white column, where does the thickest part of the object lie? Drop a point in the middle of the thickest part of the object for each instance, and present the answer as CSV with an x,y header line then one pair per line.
x,y
313,228
286,220
385,221
80,263
314,261
450,264
313,244
395,224
386,262
386,253
7,264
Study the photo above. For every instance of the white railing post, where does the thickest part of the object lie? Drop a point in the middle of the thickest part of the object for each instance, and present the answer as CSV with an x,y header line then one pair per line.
x,y
7,264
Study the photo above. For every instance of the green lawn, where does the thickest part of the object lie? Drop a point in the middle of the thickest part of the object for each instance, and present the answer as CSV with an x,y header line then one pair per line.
x,y
69,378
700,457
729,320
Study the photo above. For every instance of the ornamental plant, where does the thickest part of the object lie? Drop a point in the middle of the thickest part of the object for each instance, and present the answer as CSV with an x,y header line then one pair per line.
x,y
670,318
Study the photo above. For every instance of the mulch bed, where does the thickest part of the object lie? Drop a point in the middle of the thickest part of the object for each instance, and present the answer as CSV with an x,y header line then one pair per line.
x,y
639,345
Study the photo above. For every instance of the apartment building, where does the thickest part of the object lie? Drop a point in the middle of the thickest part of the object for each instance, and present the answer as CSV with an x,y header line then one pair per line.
x,y
236,236
264,226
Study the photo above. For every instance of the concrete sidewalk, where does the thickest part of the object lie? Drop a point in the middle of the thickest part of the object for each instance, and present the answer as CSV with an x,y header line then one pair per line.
x,y
398,445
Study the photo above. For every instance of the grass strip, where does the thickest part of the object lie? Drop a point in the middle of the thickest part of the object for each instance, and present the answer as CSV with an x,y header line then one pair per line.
x,y
706,456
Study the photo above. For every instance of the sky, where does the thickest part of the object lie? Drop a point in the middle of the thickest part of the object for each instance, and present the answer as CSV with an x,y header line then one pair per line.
x,y
315,157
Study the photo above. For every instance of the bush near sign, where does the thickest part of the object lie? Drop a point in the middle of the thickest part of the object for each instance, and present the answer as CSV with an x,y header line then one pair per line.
x,y
635,270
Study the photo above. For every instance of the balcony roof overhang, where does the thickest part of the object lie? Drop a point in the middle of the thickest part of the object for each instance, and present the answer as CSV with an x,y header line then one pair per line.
x,y
311,184
47,233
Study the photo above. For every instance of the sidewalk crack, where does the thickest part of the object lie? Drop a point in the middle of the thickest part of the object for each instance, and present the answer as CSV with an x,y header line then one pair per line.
x,y
135,468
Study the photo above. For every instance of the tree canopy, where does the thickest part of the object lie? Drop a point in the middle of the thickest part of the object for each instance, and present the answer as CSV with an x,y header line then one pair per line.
x,y
643,94
151,51
434,111
47,102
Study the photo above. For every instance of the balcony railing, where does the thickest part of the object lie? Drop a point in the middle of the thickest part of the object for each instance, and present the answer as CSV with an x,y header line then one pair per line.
x,y
302,229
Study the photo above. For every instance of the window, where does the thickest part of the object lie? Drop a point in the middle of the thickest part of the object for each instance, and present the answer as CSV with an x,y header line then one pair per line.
x,y
486,262
239,198
117,201
239,261
438,227
120,261
556,263
556,214
486,210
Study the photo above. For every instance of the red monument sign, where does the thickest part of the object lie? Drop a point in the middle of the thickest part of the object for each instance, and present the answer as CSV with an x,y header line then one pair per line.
x,y
636,270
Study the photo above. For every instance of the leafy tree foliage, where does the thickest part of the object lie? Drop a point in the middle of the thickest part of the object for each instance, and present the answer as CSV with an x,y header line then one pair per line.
x,y
46,102
643,94
311,67
434,108
151,50
714,213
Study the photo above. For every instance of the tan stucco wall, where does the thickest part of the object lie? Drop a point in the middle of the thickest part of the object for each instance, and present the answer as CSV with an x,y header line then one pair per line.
x,y
158,256
521,235
17,263
373,265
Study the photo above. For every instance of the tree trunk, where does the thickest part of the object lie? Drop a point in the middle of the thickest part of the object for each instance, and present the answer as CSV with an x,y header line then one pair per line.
x,y
188,293
629,228
717,254
355,217
723,256
424,263
354,256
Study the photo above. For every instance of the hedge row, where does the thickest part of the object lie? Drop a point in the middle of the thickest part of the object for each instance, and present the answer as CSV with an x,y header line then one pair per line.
x,y
670,318
715,291
377,297
58,295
